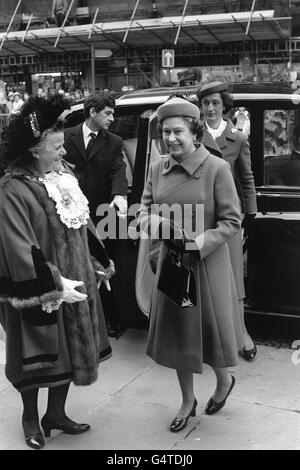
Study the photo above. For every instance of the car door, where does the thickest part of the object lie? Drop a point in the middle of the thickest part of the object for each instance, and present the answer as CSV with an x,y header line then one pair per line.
x,y
136,146
273,258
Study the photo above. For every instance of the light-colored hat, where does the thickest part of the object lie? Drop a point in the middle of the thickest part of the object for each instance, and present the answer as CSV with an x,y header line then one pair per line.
x,y
177,107
210,88
10,93
17,93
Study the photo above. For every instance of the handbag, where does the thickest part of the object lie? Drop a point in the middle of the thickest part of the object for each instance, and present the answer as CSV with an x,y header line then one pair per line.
x,y
176,281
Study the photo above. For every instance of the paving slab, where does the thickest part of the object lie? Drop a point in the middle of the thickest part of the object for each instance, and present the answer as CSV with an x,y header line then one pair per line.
x,y
134,400
245,426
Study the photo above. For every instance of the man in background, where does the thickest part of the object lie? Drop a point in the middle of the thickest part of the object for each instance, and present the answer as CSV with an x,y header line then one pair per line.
x,y
101,171
59,9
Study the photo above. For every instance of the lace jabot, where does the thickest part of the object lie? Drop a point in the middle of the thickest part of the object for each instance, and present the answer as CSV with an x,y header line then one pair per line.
x,y
71,204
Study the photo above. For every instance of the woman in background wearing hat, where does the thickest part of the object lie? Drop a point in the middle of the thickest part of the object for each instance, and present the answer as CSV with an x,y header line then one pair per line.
x,y
221,138
206,331
18,103
49,303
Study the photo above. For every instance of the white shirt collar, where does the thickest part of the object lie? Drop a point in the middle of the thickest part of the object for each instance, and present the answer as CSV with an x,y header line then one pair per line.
x,y
217,132
86,133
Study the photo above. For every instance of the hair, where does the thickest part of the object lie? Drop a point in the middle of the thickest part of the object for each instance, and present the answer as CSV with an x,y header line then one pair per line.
x,y
226,98
99,102
195,126
58,126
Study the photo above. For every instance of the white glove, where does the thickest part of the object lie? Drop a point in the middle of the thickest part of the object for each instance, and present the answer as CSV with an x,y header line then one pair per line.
x,y
121,203
70,294
51,305
105,274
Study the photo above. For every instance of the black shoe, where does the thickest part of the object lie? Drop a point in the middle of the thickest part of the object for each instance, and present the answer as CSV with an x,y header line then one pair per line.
x,y
180,423
249,354
70,427
34,440
213,406
113,331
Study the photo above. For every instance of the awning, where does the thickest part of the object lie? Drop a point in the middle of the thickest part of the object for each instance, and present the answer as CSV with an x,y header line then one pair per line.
x,y
164,32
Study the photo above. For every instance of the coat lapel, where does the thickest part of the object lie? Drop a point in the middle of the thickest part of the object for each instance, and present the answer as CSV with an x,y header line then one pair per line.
x,y
221,141
218,146
98,144
78,142
209,142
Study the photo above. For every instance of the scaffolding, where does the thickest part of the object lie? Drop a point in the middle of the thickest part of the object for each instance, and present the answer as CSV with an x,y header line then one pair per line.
x,y
214,28
192,28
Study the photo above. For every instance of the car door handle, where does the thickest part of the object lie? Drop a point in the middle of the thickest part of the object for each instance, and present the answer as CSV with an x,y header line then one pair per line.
x,y
282,195
269,195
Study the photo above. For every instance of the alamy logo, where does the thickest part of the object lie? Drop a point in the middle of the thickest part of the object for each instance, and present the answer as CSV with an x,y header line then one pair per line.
x,y
161,221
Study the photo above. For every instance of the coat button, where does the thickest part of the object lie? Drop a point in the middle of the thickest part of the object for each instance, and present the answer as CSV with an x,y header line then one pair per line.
x,y
167,164
197,175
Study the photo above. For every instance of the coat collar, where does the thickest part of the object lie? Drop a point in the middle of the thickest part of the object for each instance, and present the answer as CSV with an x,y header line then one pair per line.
x,y
77,138
190,165
221,142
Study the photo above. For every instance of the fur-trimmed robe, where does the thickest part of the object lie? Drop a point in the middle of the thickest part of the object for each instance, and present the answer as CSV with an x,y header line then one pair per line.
x,y
35,248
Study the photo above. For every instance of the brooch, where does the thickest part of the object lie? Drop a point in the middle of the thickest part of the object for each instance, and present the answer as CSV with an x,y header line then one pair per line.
x,y
167,164
65,198
34,124
233,130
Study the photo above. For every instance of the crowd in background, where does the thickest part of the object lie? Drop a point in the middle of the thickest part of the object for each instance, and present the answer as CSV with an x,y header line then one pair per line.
x,y
13,101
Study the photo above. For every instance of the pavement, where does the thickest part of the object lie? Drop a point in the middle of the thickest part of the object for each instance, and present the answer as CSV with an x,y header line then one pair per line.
x,y
134,400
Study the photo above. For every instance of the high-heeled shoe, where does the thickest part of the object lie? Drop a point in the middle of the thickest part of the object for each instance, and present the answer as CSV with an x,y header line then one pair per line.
x,y
249,354
180,423
34,440
74,428
213,406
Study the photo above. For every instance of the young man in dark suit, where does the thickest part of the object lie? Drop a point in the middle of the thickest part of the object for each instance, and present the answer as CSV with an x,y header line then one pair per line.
x,y
101,171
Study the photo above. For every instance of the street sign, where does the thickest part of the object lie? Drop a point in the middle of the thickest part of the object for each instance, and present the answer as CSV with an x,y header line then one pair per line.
x,y
168,58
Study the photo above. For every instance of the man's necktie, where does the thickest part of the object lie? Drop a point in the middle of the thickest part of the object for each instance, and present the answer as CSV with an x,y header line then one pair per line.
x,y
91,143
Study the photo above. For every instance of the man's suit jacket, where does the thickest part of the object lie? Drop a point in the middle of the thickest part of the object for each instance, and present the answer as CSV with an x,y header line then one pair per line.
x,y
103,174
233,146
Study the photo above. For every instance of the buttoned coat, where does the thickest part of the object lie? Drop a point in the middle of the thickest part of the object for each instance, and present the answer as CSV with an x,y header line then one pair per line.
x,y
184,337
233,147
36,248
102,175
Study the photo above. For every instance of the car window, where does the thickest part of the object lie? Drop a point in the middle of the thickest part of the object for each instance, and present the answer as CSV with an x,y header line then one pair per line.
x,y
127,127
282,147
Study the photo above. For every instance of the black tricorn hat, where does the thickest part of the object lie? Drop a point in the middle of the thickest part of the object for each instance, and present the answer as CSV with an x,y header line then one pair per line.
x,y
25,128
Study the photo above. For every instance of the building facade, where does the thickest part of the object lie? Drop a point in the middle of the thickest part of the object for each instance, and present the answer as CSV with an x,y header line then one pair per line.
x,y
145,43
